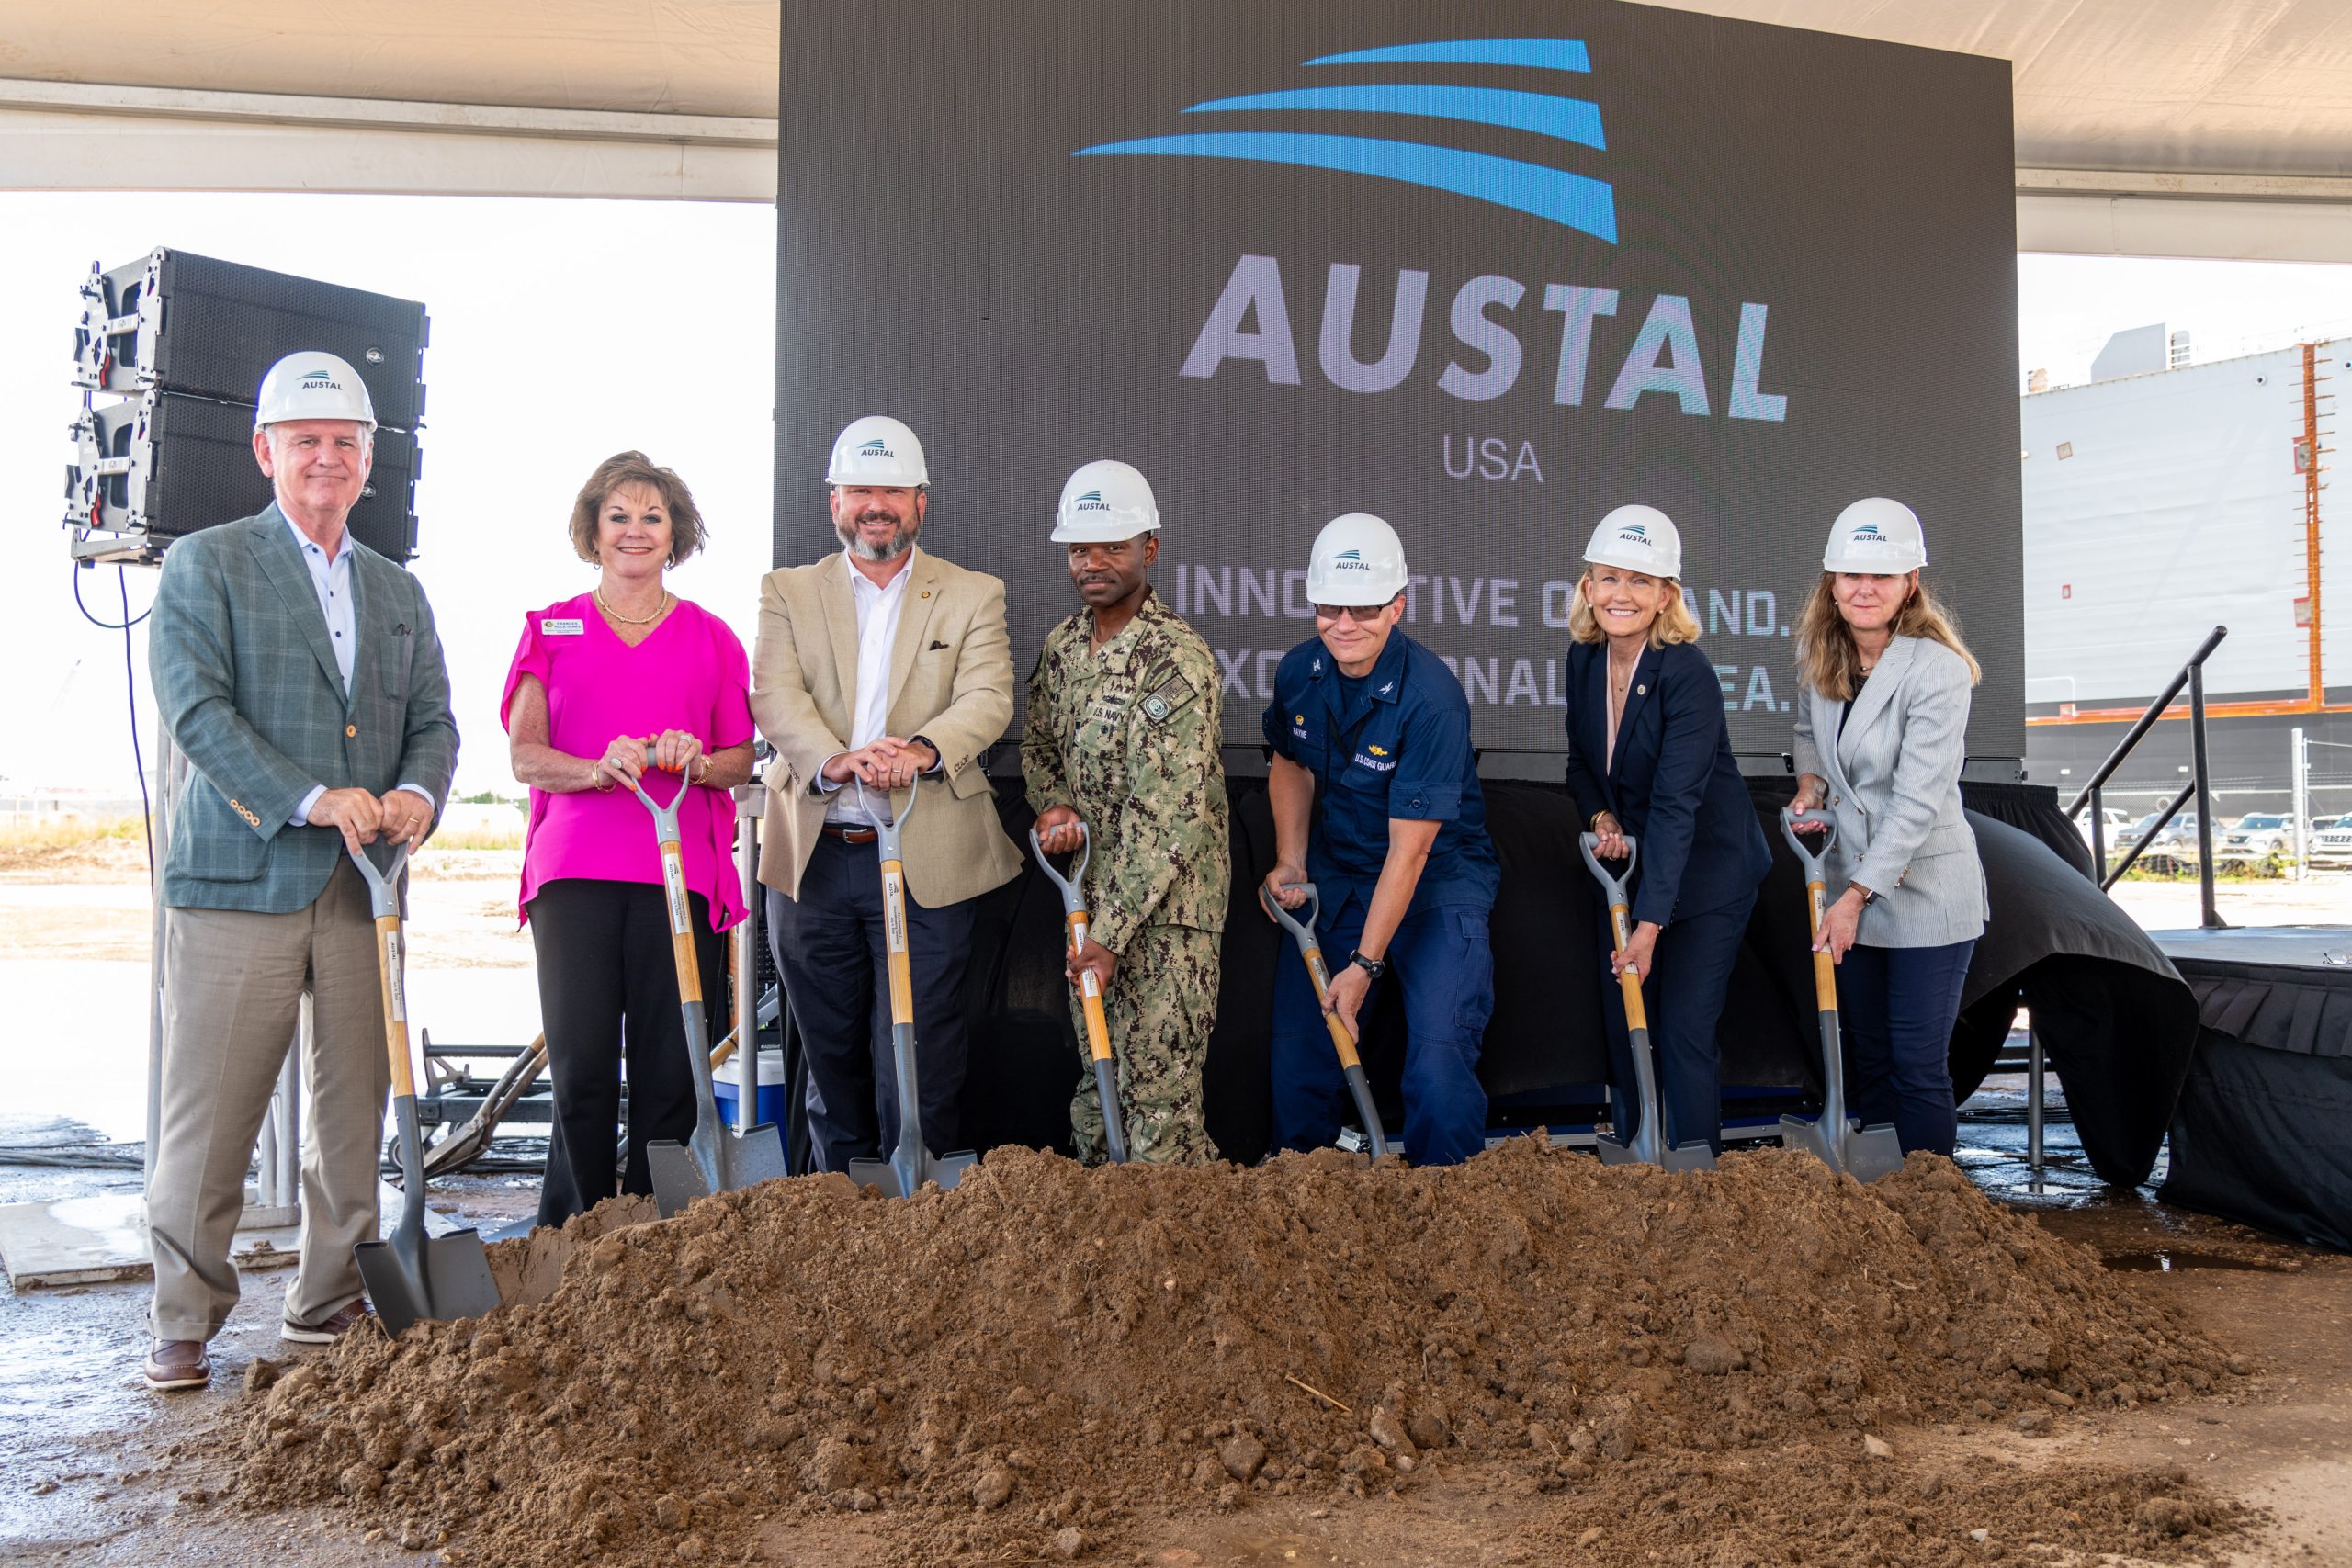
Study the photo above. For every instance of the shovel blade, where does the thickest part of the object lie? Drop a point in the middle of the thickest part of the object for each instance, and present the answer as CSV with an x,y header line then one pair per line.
x,y
1688,1156
1611,1152
1871,1152
449,1278
897,1177
757,1156
678,1177
948,1170
1813,1138
1865,1153
879,1174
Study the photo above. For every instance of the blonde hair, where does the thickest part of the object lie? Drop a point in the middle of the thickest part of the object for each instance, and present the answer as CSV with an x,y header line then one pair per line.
x,y
622,468
1675,622
1827,658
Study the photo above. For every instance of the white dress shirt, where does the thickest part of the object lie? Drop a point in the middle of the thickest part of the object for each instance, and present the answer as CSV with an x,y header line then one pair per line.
x,y
877,632
330,580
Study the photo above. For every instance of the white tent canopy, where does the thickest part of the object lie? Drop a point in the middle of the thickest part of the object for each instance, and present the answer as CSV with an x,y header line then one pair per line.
x,y
2143,127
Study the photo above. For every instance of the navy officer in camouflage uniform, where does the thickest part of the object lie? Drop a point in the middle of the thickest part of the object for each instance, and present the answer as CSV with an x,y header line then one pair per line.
x,y
1121,737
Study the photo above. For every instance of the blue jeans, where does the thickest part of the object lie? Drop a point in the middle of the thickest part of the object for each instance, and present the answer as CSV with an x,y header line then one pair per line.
x,y
1896,1007
1442,959
1690,973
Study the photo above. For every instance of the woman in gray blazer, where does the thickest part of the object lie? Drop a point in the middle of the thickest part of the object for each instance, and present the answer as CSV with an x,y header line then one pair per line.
x,y
1882,731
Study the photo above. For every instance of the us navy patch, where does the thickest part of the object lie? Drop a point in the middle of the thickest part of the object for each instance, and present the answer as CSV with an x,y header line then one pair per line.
x,y
1167,696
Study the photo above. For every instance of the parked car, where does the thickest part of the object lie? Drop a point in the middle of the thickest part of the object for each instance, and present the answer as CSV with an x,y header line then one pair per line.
x,y
2258,835
2118,823
2331,845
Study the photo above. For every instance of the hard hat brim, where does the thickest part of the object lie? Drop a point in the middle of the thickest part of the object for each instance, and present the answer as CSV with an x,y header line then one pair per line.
x,y
1662,570
1063,535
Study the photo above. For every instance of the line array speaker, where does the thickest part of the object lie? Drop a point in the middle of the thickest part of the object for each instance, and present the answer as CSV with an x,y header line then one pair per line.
x,y
185,340
164,465
190,324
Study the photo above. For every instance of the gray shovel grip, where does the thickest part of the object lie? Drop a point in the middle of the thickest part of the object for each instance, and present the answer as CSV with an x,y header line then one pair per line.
x,y
1812,850
1613,881
1301,930
1073,900
886,827
383,885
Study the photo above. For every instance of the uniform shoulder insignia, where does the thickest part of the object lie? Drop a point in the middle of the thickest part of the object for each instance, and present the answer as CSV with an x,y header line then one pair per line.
x,y
1168,695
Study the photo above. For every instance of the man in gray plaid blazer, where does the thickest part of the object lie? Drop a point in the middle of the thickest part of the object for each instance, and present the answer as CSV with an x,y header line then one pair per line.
x,y
299,674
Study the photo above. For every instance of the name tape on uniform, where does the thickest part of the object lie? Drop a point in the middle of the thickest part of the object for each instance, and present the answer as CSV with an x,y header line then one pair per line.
x,y
551,625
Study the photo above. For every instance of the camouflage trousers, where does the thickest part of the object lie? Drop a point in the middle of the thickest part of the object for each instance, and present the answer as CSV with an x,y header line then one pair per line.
x,y
1161,1005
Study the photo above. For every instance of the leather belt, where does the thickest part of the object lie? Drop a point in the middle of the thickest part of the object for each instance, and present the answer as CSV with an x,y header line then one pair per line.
x,y
849,835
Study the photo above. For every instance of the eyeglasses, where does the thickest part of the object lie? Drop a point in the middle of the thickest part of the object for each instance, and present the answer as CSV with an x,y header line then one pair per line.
x,y
1356,613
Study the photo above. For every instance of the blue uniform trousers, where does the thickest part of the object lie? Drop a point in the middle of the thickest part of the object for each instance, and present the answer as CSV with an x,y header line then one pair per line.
x,y
1895,1008
1441,958
1683,994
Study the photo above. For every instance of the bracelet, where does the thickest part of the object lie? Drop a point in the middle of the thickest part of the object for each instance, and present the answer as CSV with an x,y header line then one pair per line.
x,y
705,775
597,777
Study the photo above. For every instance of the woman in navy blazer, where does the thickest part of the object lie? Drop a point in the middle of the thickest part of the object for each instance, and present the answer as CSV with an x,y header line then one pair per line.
x,y
1650,758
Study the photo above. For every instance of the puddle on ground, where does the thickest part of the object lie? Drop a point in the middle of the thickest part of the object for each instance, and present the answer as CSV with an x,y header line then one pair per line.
x,y
2180,1259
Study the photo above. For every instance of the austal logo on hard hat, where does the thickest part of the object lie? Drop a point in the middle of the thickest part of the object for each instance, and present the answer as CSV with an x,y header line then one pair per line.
x,y
324,378
1573,200
1635,531
1091,501
1354,557
879,448
1867,531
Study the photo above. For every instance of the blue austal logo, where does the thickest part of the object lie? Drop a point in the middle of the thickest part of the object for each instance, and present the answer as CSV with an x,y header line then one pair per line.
x,y
1557,195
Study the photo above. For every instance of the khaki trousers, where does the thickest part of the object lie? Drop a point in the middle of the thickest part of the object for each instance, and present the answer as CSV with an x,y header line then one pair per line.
x,y
233,985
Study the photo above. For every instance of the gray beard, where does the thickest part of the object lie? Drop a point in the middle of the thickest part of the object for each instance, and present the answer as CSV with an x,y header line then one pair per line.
x,y
900,544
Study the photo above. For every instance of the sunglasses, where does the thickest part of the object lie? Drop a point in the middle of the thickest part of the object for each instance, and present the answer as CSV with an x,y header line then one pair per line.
x,y
1357,612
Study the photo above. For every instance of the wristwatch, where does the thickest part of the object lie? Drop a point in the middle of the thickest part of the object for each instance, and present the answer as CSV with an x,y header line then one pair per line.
x,y
1375,967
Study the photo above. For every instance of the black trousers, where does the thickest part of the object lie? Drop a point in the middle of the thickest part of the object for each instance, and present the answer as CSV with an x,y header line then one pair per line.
x,y
608,989
828,948
1684,998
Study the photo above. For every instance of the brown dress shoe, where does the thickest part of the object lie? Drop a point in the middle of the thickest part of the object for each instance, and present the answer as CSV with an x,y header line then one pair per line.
x,y
177,1363
332,1327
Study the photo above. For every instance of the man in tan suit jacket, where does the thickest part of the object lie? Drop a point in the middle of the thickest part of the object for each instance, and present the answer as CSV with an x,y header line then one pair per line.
x,y
876,666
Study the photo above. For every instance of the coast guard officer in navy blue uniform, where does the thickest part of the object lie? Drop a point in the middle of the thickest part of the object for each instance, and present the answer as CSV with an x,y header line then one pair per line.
x,y
1399,856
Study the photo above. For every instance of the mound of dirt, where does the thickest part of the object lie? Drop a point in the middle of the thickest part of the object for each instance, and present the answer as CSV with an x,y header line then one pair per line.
x,y
1051,1351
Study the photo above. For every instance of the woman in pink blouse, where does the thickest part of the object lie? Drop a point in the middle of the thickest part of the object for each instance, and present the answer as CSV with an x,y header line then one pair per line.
x,y
623,680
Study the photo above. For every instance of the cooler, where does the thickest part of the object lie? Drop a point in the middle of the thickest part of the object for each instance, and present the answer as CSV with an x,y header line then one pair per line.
x,y
726,1085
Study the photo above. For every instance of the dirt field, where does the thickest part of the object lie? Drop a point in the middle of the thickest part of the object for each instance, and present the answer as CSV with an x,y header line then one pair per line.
x,y
2257,1468
100,1472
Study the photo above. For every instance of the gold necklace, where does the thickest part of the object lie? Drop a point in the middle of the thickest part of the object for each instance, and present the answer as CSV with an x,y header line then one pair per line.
x,y
598,594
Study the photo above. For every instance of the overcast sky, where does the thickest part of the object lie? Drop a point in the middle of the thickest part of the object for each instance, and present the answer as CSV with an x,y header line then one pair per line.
x,y
563,331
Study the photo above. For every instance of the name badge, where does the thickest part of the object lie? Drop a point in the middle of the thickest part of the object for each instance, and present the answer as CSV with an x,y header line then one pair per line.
x,y
550,625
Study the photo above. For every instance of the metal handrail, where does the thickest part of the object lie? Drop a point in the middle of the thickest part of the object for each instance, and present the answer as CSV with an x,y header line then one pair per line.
x,y
2192,676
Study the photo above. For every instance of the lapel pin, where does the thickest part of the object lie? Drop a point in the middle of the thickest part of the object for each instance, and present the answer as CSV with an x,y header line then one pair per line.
x,y
1640,690
926,593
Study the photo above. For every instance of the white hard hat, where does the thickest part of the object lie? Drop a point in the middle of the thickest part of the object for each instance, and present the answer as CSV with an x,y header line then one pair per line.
x,y
310,385
1638,538
1876,536
1105,503
1358,559
877,450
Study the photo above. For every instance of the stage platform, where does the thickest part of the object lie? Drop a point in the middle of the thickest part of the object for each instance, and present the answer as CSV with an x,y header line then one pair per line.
x,y
2327,948
2260,1134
